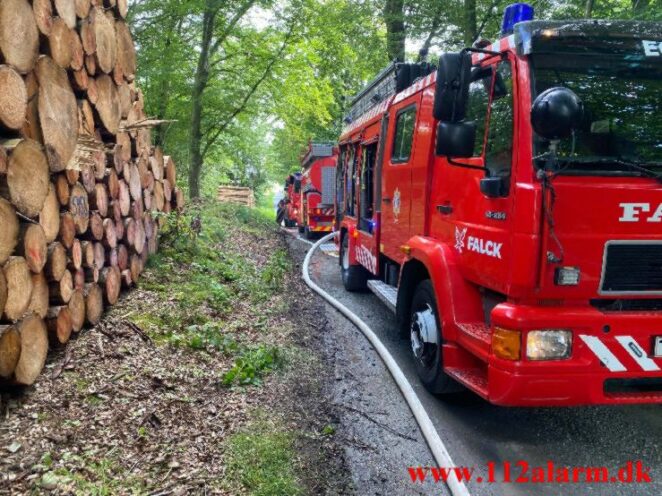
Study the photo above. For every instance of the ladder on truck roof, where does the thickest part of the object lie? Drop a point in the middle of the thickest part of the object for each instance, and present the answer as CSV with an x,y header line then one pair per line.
x,y
394,78
316,151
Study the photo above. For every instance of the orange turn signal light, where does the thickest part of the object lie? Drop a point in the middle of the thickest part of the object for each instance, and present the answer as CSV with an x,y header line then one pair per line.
x,y
355,234
506,343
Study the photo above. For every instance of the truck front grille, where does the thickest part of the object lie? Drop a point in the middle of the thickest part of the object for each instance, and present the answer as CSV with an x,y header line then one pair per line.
x,y
632,267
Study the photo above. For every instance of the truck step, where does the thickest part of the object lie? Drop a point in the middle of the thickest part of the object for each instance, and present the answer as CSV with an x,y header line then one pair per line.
x,y
385,292
476,338
474,379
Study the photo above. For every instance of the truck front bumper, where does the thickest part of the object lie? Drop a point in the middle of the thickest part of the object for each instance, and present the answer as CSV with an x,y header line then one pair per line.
x,y
612,359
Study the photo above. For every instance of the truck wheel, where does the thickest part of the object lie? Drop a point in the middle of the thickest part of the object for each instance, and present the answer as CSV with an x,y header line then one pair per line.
x,y
426,341
309,234
354,277
301,229
280,215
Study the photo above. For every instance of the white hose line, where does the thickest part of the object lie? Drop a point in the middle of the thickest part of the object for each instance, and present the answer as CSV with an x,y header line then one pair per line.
x,y
439,451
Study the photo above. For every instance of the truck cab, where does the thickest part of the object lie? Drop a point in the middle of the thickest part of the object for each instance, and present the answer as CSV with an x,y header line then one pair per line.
x,y
318,178
514,216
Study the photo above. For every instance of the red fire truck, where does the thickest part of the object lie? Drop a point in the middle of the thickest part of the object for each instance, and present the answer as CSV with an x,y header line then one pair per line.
x,y
288,211
507,207
318,179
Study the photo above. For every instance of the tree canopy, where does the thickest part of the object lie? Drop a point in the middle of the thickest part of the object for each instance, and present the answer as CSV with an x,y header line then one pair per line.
x,y
246,83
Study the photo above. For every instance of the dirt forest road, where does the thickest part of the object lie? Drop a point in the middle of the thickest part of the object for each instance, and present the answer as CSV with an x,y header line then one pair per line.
x,y
474,431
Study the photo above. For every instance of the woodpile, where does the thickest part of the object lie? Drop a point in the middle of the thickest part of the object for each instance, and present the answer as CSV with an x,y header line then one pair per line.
x,y
228,194
81,186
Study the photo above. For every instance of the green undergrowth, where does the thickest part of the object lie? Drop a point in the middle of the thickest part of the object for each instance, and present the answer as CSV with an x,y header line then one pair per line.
x,y
261,459
217,278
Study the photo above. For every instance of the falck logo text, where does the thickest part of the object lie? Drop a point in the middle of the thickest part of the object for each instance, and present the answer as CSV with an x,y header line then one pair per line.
x,y
477,245
636,212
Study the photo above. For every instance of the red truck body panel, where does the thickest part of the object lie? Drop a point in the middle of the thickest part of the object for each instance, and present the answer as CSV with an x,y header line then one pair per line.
x,y
317,211
478,249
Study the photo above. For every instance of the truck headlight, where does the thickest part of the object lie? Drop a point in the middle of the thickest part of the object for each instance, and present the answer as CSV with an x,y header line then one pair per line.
x,y
567,276
548,344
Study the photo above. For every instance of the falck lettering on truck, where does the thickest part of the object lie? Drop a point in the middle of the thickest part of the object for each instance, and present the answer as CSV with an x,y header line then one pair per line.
x,y
476,244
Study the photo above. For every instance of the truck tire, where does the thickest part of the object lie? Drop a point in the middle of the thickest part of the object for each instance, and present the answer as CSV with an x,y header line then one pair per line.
x,y
354,277
424,321
310,235
280,215
301,229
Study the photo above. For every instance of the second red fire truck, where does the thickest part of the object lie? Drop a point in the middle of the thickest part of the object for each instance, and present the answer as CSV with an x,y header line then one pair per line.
x,y
507,207
318,177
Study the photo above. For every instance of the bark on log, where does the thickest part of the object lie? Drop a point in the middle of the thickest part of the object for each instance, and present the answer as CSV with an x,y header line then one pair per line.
x,y
58,113
10,350
39,297
77,310
9,230
27,178
32,246
79,208
87,178
67,229
56,263
93,303
59,325
34,348
49,217
123,8
19,36
19,288
13,99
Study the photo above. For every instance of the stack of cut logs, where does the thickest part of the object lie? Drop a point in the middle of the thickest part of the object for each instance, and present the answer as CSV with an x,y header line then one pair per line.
x,y
236,194
81,186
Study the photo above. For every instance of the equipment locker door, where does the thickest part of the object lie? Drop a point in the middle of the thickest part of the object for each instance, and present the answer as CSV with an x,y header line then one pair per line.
x,y
397,176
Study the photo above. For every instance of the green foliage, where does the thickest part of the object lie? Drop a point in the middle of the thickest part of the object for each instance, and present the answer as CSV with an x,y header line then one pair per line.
x,y
262,460
252,365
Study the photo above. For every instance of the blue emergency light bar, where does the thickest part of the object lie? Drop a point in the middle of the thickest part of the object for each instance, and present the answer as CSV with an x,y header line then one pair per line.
x,y
514,13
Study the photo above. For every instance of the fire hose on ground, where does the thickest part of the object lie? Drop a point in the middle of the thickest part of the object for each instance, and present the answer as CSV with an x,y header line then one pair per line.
x,y
439,451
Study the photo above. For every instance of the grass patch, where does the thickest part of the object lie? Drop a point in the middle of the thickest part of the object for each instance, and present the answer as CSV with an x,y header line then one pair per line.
x,y
262,460
252,365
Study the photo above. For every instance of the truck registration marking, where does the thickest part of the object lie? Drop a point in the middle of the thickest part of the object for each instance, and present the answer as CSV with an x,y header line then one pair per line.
x,y
652,48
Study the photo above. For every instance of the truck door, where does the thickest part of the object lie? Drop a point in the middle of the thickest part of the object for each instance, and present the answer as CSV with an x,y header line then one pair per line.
x,y
479,227
397,177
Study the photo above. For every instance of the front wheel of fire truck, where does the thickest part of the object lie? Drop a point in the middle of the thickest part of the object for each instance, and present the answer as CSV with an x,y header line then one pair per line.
x,y
426,341
354,277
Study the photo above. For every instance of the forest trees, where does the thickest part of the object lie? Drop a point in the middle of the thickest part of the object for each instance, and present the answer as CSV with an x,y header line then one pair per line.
x,y
246,83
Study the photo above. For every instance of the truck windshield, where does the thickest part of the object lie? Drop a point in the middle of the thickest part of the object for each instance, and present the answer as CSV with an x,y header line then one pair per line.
x,y
621,133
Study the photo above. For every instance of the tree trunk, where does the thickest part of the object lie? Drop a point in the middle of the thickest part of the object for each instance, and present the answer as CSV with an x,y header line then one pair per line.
x,y
394,18
199,85
470,23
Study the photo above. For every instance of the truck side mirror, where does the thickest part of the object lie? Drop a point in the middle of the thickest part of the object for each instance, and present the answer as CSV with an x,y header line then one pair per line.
x,y
456,139
452,86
